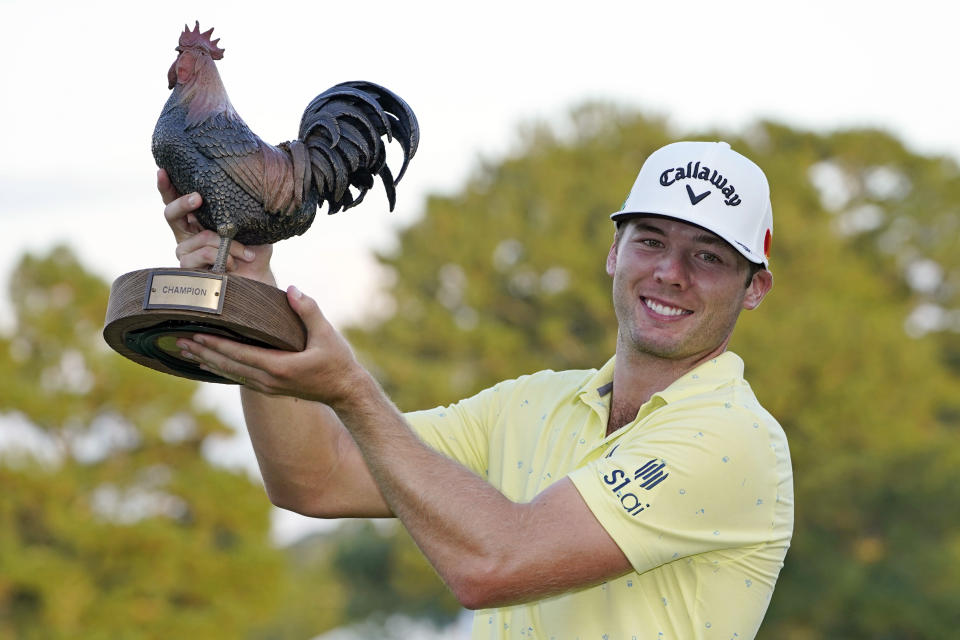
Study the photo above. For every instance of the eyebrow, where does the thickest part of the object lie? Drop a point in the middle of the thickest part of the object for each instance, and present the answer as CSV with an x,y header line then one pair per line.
x,y
703,238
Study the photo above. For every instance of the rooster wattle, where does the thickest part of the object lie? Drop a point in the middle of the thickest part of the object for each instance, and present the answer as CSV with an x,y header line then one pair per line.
x,y
258,193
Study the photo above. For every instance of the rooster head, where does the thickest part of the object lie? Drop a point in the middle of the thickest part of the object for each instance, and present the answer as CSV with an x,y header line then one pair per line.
x,y
192,49
194,77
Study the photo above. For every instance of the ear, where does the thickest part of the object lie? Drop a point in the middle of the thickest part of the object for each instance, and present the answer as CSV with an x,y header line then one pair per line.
x,y
757,289
612,257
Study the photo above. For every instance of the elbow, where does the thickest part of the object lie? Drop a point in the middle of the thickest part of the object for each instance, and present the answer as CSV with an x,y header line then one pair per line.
x,y
472,594
299,502
481,585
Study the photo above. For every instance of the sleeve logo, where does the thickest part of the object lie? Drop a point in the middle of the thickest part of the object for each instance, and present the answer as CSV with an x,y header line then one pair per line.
x,y
646,477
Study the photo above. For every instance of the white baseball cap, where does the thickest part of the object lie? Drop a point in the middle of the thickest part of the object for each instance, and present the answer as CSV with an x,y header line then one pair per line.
x,y
710,185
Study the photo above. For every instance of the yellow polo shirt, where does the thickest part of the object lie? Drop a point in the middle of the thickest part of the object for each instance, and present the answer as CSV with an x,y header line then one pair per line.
x,y
697,491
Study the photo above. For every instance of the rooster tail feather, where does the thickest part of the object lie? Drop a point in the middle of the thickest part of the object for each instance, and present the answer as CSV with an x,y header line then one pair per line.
x,y
343,130
403,122
389,186
359,198
339,172
328,123
323,173
371,150
408,141
396,106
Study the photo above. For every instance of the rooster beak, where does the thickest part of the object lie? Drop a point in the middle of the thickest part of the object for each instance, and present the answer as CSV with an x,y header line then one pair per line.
x,y
172,76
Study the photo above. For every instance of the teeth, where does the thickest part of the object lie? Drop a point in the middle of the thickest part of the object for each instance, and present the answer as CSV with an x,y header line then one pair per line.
x,y
664,311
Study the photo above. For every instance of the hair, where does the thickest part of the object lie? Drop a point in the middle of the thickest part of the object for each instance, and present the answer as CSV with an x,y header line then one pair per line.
x,y
753,268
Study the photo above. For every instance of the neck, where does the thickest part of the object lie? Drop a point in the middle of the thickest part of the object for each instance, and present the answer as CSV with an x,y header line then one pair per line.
x,y
638,375
204,93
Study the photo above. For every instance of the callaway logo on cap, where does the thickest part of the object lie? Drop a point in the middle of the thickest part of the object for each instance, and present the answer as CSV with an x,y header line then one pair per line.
x,y
710,185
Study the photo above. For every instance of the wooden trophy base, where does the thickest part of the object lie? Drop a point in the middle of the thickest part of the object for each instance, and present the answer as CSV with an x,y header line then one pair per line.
x,y
149,310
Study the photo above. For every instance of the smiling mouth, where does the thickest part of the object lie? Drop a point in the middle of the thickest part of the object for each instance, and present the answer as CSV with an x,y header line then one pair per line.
x,y
664,310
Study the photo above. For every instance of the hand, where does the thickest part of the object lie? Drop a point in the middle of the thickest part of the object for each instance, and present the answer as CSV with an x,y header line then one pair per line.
x,y
197,247
325,371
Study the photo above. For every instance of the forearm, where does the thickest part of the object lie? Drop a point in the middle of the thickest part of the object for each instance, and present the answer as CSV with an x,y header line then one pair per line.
x,y
364,460
308,461
477,539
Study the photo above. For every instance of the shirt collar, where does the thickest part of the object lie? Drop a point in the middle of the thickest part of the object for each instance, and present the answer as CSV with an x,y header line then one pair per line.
x,y
707,376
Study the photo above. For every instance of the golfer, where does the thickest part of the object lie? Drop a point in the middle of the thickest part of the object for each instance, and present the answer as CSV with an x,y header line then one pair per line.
x,y
649,498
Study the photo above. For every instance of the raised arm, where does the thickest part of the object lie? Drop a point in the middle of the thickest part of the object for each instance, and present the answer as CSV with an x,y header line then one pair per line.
x,y
330,443
308,460
489,550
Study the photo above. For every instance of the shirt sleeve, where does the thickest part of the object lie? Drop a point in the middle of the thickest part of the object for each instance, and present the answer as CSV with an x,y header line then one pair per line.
x,y
461,431
696,481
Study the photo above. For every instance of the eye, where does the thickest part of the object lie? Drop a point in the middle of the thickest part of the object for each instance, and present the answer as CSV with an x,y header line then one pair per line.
x,y
649,242
710,258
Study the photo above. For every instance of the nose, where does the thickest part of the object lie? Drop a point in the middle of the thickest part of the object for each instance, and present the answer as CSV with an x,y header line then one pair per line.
x,y
672,270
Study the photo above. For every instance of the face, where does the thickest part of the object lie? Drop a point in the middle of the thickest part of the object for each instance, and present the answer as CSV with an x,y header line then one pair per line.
x,y
678,289
182,68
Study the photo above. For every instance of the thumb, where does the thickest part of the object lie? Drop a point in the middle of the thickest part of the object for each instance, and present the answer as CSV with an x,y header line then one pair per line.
x,y
308,310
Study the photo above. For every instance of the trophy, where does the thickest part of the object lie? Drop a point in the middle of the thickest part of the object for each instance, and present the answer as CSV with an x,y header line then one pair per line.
x,y
253,192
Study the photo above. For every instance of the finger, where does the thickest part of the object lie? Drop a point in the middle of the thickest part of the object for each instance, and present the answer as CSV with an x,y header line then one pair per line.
x,y
234,358
167,191
307,308
203,258
205,238
212,360
179,215
201,244
309,311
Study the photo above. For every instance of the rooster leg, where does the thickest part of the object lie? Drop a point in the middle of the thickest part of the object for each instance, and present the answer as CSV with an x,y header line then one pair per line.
x,y
226,232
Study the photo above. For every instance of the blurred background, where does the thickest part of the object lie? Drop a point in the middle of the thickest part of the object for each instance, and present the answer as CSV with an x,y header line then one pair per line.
x,y
130,504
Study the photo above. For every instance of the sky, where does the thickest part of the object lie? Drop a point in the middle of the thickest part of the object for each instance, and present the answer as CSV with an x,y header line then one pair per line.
x,y
84,83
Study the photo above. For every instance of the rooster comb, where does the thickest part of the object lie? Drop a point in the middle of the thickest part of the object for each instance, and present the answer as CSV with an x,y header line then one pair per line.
x,y
195,39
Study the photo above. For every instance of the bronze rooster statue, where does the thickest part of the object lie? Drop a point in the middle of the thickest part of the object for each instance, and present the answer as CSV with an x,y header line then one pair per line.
x,y
258,193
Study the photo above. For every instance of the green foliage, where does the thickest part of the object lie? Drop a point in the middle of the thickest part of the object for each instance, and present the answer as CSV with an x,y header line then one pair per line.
x,y
125,530
385,573
507,277
122,529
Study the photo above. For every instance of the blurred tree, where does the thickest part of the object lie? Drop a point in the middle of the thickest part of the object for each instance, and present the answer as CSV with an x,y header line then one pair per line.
x,y
385,573
118,527
852,351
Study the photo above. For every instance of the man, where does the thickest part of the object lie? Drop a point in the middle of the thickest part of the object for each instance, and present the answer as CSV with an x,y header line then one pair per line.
x,y
651,498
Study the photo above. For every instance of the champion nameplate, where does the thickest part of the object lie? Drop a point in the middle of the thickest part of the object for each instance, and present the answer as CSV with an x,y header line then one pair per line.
x,y
176,290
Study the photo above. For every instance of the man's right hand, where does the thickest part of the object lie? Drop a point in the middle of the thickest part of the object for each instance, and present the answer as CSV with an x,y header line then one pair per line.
x,y
197,247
